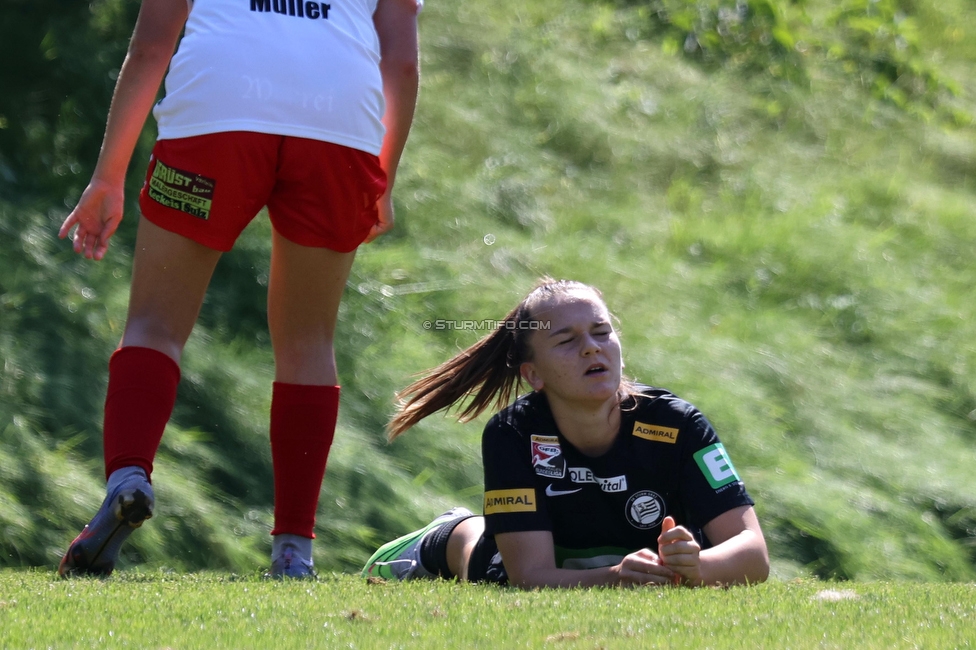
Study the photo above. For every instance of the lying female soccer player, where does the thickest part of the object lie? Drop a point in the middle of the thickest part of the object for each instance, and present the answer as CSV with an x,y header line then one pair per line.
x,y
589,479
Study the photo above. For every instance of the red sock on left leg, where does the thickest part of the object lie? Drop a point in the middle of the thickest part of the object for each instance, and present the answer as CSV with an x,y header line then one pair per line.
x,y
141,393
303,421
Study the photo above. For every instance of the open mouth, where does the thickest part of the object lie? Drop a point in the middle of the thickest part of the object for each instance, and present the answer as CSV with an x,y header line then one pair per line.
x,y
596,369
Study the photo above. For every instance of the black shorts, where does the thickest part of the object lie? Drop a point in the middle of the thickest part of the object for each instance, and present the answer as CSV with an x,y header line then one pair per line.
x,y
486,563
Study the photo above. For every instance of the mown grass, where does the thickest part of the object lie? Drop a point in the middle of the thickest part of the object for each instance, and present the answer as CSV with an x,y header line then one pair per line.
x,y
206,610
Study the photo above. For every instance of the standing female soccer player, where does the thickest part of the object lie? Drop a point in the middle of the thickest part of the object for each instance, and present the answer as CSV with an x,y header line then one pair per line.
x,y
300,106
589,479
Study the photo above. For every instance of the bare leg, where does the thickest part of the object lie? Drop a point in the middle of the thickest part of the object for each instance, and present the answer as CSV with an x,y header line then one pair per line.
x,y
304,291
305,288
461,544
169,280
170,274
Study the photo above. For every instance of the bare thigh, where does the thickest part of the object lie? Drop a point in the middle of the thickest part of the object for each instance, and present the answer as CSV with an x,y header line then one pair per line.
x,y
304,291
461,543
170,275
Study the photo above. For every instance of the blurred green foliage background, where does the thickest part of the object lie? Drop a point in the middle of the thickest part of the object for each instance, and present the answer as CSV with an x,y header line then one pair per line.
x,y
776,198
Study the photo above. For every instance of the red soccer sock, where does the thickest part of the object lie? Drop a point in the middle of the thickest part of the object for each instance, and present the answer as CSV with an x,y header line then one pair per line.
x,y
141,394
303,421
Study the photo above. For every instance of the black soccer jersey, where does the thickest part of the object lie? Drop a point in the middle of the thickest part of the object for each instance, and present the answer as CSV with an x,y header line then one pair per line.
x,y
666,460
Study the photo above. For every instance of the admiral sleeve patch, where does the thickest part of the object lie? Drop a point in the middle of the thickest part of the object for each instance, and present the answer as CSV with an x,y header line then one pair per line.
x,y
503,501
656,433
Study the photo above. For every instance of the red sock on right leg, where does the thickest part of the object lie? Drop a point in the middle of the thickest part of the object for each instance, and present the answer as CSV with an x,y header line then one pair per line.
x,y
303,421
141,395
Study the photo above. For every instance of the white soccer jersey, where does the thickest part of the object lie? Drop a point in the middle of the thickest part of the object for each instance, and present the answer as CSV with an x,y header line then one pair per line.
x,y
288,67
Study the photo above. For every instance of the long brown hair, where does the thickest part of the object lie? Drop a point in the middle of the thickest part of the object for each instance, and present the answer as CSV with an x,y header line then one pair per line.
x,y
488,370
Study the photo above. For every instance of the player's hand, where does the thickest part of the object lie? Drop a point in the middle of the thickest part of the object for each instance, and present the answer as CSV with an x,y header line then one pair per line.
x,y
384,208
680,552
97,216
643,567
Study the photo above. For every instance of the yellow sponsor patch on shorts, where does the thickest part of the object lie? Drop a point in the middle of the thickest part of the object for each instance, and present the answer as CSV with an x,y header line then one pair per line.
x,y
502,501
184,191
656,433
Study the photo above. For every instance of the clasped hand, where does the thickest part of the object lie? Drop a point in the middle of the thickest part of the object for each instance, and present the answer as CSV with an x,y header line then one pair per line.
x,y
678,563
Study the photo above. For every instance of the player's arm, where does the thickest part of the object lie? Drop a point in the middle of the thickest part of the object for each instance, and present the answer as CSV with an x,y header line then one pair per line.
x,y
530,561
738,554
99,210
396,26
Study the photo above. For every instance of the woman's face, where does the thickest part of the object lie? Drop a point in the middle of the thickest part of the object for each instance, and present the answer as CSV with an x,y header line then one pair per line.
x,y
578,357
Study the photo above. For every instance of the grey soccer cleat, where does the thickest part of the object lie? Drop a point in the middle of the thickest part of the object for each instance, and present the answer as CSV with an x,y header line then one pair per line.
x,y
95,550
289,564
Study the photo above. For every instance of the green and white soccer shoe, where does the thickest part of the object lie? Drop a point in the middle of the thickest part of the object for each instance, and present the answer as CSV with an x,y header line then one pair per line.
x,y
400,559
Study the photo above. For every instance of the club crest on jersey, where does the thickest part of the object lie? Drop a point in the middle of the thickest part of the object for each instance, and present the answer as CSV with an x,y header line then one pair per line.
x,y
645,509
547,457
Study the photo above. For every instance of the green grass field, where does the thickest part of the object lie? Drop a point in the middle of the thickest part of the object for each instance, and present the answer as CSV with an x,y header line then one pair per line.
x,y
205,610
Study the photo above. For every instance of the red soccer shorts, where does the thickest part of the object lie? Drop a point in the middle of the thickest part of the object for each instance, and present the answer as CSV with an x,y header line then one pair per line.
x,y
208,188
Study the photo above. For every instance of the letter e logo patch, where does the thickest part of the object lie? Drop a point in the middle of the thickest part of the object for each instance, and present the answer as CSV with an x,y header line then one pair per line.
x,y
716,466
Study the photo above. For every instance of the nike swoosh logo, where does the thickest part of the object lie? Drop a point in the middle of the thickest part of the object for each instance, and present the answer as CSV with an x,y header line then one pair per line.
x,y
558,493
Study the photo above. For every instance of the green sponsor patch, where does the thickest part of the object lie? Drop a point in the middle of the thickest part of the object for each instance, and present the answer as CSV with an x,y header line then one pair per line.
x,y
184,191
716,465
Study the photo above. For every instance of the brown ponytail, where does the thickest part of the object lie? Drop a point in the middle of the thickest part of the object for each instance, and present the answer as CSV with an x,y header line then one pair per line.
x,y
488,370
